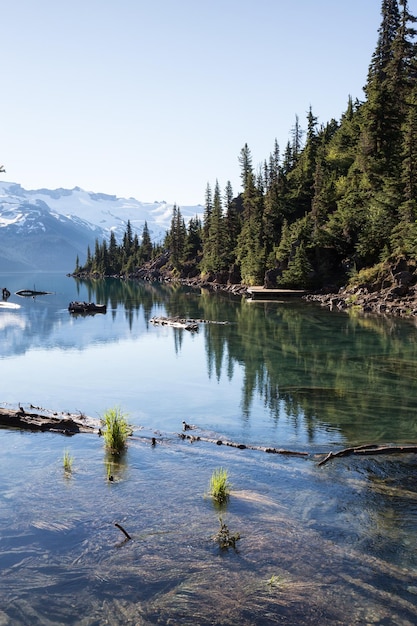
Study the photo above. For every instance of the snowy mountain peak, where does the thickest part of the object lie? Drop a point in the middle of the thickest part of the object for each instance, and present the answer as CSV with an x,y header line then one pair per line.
x,y
45,228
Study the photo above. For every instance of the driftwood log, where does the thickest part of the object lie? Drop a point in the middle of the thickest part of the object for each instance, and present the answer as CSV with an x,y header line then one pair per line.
x,y
369,449
64,423
181,322
240,446
36,419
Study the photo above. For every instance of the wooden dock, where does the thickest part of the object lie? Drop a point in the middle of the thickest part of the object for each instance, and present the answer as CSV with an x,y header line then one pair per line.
x,y
262,293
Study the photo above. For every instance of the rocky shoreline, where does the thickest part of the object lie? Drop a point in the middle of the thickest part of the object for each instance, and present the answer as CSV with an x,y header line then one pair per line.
x,y
392,292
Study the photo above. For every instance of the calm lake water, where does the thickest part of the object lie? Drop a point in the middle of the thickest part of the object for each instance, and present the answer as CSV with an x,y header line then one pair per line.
x,y
330,544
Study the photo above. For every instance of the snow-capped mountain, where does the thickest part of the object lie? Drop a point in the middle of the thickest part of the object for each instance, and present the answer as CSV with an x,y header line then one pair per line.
x,y
46,229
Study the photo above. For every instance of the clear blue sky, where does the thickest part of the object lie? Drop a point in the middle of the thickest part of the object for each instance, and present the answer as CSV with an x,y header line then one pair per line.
x,y
155,98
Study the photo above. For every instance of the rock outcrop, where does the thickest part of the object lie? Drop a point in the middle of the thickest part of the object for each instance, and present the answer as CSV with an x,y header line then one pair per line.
x,y
393,292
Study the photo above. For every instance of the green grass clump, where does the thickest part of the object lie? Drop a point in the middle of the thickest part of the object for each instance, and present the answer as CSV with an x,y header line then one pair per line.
x,y
116,430
275,581
219,487
67,462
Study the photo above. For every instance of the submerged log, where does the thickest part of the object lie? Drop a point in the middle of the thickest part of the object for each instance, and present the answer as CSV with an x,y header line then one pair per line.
x,y
242,446
369,449
64,423
182,322
366,449
71,423
175,322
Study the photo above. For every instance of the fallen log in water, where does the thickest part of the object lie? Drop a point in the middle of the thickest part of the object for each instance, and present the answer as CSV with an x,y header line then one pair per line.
x,y
242,446
71,423
175,322
182,322
369,449
64,423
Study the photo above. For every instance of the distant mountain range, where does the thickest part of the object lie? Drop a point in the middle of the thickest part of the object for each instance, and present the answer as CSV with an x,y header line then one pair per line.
x,y
45,229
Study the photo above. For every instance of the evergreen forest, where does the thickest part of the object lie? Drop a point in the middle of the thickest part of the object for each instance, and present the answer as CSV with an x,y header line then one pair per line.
x,y
339,198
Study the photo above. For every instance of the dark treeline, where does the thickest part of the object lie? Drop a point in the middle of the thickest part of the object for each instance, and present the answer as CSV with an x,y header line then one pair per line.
x,y
340,197
113,259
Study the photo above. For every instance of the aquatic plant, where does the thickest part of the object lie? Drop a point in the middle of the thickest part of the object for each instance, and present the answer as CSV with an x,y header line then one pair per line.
x,y
109,470
116,430
67,461
219,487
275,581
224,537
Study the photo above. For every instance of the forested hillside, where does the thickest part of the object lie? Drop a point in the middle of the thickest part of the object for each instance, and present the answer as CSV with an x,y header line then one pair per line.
x,y
338,198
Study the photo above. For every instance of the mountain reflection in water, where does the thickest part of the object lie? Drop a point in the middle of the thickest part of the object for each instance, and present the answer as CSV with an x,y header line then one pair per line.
x,y
330,545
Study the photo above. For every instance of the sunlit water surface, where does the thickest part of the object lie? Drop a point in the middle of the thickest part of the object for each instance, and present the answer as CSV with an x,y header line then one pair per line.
x,y
331,544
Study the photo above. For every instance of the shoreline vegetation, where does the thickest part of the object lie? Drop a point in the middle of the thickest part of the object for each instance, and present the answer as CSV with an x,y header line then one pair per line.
x,y
388,289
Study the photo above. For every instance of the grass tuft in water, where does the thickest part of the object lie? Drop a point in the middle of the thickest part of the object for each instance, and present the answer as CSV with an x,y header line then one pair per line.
x,y
275,581
219,487
67,462
117,430
224,537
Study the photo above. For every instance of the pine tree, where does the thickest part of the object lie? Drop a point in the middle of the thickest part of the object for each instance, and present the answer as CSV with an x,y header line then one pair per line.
x,y
404,235
89,259
215,244
250,249
245,160
299,272
233,220
301,178
208,209
114,254
382,112
324,198
177,238
387,33
193,242
297,140
146,244
288,159
274,204
128,239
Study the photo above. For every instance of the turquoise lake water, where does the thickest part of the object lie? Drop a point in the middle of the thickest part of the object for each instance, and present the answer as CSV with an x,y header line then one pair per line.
x,y
332,544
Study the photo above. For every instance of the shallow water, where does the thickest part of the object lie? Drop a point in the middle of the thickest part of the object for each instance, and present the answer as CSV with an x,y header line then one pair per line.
x,y
332,544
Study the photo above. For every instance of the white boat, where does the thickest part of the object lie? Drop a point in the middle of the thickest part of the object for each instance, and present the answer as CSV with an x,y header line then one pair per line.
x,y
9,305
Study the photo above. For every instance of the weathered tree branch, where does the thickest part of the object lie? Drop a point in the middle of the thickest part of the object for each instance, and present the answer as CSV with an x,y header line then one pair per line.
x,y
120,527
369,449
243,446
